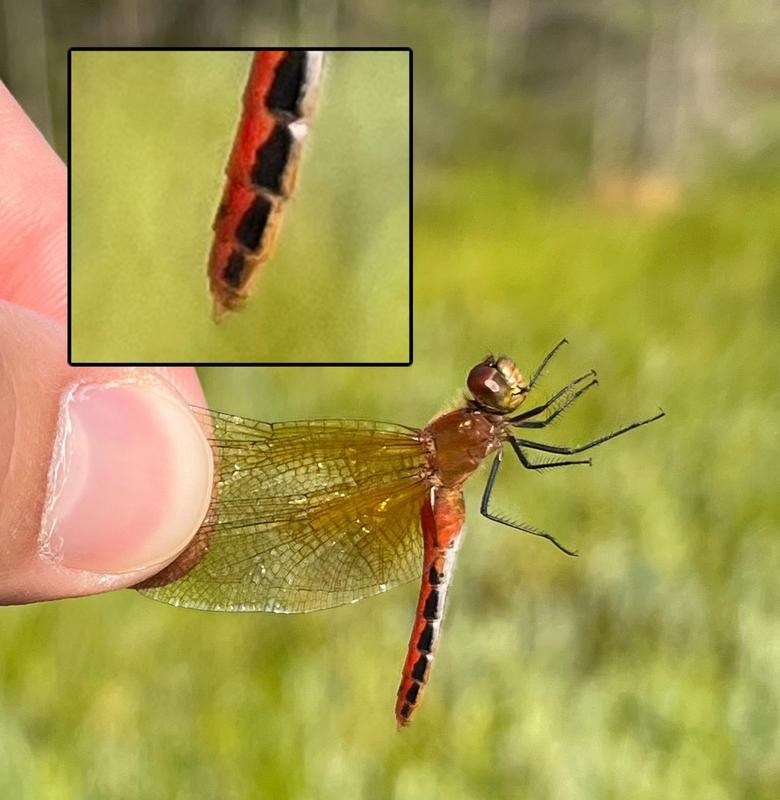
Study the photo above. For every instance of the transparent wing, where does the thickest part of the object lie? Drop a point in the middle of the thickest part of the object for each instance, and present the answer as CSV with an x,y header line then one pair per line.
x,y
306,515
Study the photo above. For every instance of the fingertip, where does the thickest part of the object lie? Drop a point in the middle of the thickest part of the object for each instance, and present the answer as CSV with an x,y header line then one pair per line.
x,y
130,478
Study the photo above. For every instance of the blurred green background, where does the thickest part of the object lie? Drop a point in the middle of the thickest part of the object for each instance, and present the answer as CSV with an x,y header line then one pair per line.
x,y
608,173
152,132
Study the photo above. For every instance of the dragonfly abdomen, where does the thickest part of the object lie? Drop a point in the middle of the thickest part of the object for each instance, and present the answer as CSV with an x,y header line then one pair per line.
x,y
262,170
442,523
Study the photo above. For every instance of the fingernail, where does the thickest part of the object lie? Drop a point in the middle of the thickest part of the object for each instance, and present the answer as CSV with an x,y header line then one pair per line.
x,y
130,478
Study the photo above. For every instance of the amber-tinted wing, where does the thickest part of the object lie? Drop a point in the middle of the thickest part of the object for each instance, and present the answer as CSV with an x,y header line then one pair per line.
x,y
306,515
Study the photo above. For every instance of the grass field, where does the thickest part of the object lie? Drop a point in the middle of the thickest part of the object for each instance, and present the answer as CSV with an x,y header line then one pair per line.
x,y
647,668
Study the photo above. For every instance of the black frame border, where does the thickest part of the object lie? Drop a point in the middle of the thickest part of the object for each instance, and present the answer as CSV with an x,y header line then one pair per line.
x,y
407,363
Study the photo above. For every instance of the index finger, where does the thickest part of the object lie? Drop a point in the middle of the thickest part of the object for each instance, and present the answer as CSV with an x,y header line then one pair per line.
x,y
33,216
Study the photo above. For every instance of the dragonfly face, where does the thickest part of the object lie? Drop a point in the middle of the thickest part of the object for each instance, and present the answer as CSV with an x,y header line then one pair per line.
x,y
497,385
320,513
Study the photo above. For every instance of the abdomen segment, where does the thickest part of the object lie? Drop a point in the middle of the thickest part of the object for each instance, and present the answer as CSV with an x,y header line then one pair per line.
x,y
442,521
262,170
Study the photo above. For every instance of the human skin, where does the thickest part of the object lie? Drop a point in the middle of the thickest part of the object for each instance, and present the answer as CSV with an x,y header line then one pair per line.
x,y
105,474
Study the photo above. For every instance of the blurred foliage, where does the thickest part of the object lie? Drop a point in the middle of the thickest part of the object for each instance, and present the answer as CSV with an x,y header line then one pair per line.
x,y
648,667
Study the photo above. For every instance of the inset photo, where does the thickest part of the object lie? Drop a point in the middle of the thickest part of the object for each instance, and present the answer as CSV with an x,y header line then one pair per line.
x,y
240,206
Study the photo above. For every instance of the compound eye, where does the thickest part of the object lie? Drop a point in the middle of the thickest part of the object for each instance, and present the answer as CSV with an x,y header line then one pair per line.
x,y
497,385
484,378
489,387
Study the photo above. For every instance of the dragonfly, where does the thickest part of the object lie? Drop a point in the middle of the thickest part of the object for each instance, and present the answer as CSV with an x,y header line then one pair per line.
x,y
315,514
279,100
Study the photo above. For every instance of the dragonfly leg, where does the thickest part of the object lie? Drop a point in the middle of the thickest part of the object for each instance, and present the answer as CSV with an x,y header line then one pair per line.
x,y
520,422
549,448
532,412
545,361
484,509
528,464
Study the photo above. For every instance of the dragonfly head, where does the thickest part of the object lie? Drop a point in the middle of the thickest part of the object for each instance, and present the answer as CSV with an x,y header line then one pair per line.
x,y
497,385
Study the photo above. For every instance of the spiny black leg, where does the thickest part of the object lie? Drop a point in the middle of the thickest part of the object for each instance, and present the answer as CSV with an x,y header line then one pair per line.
x,y
558,411
545,464
485,511
546,360
544,406
549,448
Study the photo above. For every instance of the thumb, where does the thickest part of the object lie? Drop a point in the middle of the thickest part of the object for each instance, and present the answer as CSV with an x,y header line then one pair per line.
x,y
105,473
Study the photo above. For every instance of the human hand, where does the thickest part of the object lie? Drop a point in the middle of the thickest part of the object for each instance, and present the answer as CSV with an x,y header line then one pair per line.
x,y
105,475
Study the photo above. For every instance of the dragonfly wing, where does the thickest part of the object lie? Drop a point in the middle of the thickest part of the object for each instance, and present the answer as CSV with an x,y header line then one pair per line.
x,y
306,516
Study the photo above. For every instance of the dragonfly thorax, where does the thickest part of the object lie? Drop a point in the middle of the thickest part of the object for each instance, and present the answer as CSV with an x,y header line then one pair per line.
x,y
458,441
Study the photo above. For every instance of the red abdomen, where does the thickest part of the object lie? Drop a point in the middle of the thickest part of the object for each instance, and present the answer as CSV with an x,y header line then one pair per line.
x,y
261,172
442,523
